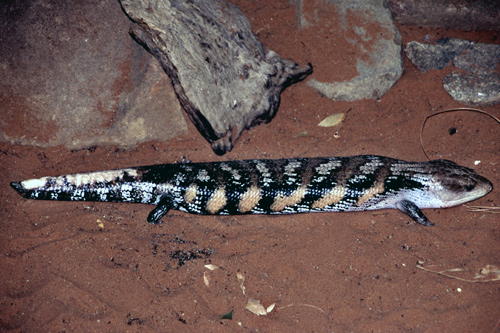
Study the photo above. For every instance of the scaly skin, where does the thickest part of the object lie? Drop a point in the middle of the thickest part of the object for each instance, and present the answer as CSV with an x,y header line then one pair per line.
x,y
285,186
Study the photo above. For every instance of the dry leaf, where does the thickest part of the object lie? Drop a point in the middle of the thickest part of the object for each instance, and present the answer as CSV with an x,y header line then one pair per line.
x,y
241,280
332,120
211,267
100,224
255,307
206,279
270,307
301,134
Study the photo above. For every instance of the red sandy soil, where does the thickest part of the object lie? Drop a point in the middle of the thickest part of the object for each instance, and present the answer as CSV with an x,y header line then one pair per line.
x,y
83,266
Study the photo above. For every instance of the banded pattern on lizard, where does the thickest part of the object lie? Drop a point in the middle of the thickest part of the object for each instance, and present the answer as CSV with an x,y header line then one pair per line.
x,y
283,186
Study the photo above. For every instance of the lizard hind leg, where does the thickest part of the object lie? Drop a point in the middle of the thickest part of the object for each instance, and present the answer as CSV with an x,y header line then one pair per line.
x,y
165,204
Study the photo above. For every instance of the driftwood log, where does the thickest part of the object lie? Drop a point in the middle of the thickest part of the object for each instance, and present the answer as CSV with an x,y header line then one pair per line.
x,y
224,78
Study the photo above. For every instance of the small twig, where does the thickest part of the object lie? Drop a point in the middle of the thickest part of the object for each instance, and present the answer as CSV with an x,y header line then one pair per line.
x,y
311,306
497,325
446,111
455,277
494,210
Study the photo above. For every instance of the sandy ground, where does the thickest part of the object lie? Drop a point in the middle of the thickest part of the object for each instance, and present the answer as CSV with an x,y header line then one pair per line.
x,y
82,266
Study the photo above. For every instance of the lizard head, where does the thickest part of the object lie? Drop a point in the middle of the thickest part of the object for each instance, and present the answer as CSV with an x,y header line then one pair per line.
x,y
455,184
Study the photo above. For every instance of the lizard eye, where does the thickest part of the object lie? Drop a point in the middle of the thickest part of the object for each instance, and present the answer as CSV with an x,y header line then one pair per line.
x,y
469,187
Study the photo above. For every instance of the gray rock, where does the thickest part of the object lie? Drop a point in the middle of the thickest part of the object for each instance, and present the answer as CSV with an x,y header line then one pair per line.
x,y
223,76
379,65
478,58
426,57
473,89
479,85
72,76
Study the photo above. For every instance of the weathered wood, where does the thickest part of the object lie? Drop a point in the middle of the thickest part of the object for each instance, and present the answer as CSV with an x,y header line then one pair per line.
x,y
448,14
221,73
